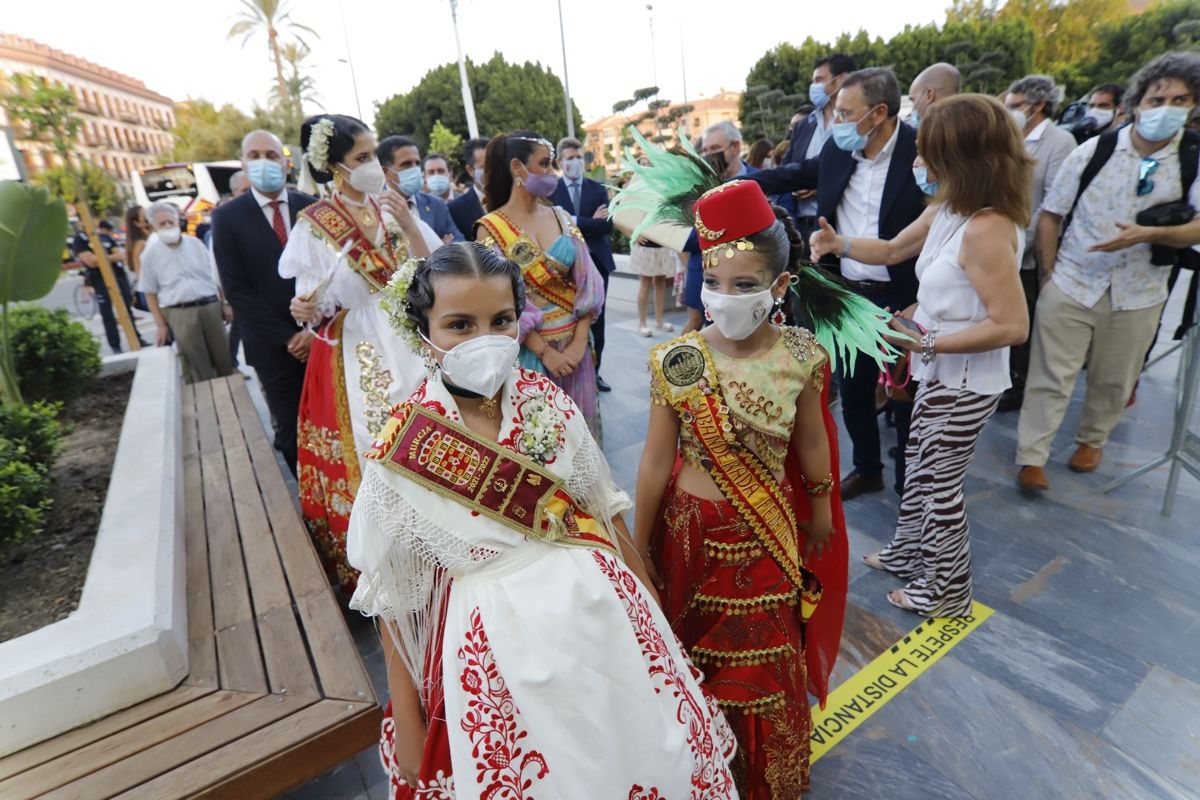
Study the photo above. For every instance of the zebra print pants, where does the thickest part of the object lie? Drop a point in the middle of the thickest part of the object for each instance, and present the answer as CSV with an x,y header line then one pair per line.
x,y
930,549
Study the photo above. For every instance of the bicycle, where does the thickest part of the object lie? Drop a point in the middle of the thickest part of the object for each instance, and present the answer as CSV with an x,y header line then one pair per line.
x,y
85,298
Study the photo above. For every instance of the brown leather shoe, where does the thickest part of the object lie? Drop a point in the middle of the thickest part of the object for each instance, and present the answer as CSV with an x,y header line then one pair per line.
x,y
1086,458
1032,480
854,485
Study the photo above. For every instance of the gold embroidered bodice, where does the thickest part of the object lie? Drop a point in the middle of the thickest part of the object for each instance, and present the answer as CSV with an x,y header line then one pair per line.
x,y
761,394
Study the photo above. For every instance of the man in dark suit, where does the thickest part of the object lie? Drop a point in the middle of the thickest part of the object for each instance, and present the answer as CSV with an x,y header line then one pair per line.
x,y
249,233
401,160
865,187
467,208
809,135
587,201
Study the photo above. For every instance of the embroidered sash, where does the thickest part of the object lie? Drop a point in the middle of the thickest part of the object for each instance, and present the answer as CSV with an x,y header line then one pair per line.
x,y
337,228
549,278
490,480
685,369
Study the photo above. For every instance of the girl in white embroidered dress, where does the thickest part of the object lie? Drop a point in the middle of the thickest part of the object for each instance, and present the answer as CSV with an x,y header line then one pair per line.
x,y
521,664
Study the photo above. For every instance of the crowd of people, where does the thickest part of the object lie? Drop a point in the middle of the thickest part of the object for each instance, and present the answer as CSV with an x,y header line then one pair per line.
x,y
431,361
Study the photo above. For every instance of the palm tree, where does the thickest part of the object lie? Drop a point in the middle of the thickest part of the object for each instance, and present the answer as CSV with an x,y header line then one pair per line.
x,y
301,89
271,17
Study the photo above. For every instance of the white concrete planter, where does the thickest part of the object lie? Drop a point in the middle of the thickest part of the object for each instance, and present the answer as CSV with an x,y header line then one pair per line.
x,y
127,641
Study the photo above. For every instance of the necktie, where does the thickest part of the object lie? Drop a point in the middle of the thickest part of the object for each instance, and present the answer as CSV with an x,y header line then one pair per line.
x,y
575,197
277,222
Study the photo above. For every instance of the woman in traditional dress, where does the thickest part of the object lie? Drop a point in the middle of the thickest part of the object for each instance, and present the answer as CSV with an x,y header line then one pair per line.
x,y
341,252
745,524
565,291
526,656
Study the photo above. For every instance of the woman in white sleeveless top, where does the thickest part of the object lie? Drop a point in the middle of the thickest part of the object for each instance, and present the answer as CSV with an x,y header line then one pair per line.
x,y
970,309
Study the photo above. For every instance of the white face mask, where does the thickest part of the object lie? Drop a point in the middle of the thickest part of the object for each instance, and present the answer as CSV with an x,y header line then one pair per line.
x,y
480,365
170,235
573,168
367,178
737,315
1103,116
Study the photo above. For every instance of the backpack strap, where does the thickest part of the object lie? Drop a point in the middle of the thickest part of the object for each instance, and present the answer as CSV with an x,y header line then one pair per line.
x,y
1189,153
1106,145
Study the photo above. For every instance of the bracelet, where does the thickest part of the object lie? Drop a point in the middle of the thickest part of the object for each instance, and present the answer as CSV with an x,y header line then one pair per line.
x,y
928,348
819,488
845,247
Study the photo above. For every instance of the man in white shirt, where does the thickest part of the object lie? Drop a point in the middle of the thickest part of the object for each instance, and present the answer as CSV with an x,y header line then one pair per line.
x,y
177,279
1033,101
1101,296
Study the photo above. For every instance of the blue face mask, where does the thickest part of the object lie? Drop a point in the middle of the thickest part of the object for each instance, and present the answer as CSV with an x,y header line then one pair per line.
x,y
1162,123
817,96
438,184
921,176
914,119
265,175
409,180
847,137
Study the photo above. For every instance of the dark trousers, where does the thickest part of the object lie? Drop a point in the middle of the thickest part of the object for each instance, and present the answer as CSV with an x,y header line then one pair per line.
x,y
1018,356
282,381
112,331
235,341
598,323
859,412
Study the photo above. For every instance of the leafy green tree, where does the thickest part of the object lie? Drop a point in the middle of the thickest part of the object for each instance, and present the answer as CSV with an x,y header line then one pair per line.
x,y
507,97
204,132
97,186
301,88
448,143
1064,31
1127,43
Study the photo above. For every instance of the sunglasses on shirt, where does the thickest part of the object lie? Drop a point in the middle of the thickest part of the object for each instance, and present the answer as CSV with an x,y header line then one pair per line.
x,y
1145,185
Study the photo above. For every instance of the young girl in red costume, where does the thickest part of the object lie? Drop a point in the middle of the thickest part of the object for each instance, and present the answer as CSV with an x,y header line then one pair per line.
x,y
745,525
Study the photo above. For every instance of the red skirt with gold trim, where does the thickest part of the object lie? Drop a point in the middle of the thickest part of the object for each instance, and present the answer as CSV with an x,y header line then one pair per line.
x,y
739,616
328,469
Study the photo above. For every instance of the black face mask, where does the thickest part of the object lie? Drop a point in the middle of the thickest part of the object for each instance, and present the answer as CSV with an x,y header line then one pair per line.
x,y
718,162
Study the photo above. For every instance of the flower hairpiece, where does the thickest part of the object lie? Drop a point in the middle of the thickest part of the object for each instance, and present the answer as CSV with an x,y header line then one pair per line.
x,y
318,144
393,300
534,140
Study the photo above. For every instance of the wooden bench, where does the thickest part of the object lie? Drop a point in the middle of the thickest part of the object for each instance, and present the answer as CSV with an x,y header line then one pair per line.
x,y
276,692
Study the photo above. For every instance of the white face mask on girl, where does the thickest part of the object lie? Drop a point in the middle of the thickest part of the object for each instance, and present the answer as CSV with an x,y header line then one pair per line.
x,y
480,365
737,315
367,178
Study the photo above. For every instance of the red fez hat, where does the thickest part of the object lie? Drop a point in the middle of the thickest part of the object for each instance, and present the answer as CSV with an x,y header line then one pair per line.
x,y
726,215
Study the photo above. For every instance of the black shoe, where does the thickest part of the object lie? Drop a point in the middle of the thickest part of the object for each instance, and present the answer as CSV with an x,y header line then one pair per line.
x,y
894,452
854,484
601,385
1011,400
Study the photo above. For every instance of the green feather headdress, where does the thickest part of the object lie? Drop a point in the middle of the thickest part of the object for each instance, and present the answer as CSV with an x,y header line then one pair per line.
x,y
667,190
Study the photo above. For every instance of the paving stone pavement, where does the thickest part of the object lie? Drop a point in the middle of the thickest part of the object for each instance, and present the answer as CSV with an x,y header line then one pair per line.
x,y
1084,684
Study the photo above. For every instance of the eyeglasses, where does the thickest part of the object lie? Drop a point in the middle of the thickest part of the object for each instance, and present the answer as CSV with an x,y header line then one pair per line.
x,y
1145,185
841,115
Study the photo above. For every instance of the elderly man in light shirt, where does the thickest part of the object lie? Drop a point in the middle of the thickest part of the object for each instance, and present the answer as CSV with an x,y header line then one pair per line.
x,y
177,279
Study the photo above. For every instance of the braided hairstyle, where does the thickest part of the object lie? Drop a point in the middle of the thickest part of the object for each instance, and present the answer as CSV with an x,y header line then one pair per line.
x,y
460,259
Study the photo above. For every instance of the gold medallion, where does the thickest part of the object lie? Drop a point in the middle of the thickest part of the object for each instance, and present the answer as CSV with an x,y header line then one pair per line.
x,y
523,252
684,365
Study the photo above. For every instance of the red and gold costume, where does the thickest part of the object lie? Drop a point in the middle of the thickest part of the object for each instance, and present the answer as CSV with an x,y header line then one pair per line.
x,y
763,624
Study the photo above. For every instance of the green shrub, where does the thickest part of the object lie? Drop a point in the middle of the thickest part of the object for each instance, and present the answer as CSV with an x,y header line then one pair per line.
x,y
54,356
24,490
35,429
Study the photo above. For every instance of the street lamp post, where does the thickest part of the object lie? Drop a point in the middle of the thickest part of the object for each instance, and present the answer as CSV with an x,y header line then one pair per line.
x,y
350,60
653,49
468,103
566,82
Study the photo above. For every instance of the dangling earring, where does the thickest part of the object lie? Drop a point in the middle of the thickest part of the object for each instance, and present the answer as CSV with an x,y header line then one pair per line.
x,y
431,364
778,318
338,181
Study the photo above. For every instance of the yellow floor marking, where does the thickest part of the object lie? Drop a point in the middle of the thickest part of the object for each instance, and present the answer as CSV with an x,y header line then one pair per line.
x,y
867,690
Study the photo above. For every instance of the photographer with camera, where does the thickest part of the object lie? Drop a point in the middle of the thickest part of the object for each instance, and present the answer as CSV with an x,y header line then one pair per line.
x,y
1115,223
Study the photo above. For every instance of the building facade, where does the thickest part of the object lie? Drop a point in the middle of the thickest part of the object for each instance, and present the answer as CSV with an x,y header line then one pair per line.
x,y
126,126
604,135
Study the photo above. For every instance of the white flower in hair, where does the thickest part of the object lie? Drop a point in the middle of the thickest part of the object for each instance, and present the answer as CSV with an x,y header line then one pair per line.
x,y
318,144
393,301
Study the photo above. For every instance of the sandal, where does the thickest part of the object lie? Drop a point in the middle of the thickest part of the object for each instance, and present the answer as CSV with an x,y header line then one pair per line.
x,y
667,327
899,598
645,332
872,561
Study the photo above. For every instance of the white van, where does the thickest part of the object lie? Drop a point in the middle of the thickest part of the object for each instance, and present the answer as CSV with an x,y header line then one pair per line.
x,y
196,187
